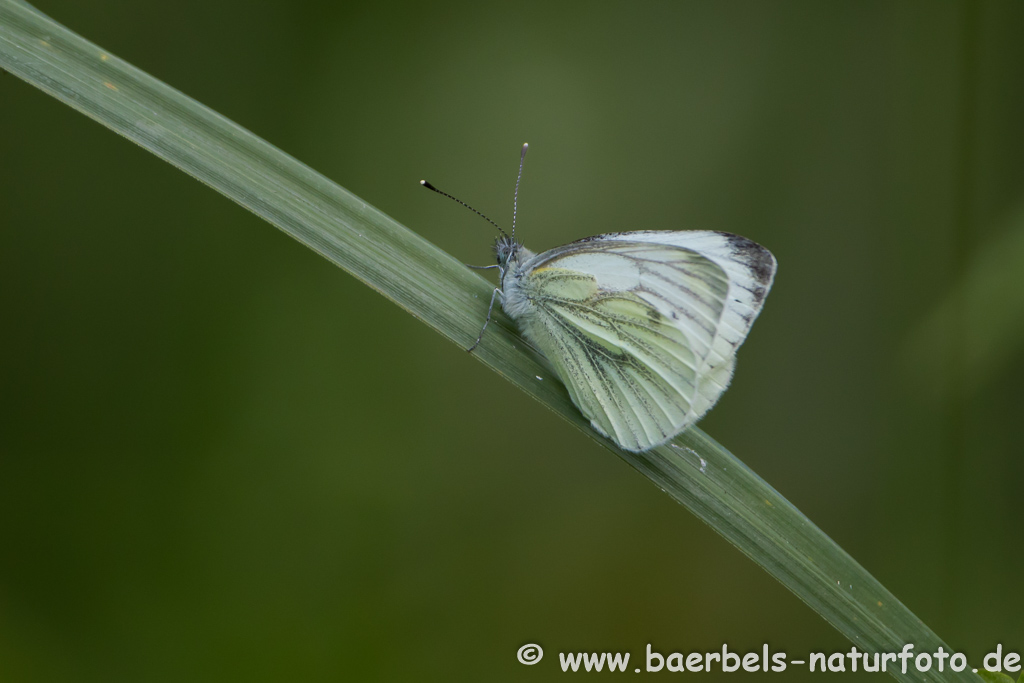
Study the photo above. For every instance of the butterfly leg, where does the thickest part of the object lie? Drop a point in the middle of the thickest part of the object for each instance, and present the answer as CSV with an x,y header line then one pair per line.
x,y
490,308
470,265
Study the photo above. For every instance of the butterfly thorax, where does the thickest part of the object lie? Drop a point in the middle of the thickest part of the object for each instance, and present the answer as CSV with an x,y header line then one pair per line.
x,y
511,256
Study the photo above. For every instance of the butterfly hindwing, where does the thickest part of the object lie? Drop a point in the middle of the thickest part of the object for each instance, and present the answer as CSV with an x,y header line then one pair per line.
x,y
643,326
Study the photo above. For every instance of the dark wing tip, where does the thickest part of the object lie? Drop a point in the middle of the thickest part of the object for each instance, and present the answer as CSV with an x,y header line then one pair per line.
x,y
761,262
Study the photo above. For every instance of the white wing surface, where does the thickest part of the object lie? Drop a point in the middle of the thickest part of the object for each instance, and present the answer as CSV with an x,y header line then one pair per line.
x,y
643,326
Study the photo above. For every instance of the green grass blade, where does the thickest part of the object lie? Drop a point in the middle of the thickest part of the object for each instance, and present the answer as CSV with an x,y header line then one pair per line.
x,y
441,292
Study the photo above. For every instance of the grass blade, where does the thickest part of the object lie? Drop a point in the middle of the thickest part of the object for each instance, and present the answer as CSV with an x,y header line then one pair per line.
x,y
440,291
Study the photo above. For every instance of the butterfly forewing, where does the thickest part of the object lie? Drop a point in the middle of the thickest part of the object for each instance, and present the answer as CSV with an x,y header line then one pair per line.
x,y
643,326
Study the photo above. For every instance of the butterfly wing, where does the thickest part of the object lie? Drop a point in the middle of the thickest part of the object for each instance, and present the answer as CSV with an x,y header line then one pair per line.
x,y
643,327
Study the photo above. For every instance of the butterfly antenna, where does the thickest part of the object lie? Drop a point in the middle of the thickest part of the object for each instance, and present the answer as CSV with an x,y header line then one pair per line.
x,y
515,197
427,185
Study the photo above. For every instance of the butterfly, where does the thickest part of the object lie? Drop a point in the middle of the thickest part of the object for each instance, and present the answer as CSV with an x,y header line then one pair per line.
x,y
642,327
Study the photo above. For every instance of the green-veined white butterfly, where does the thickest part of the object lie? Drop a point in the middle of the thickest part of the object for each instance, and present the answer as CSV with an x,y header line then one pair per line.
x,y
642,327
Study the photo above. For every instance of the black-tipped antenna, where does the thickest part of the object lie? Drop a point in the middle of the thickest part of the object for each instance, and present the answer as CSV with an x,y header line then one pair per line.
x,y
515,197
427,185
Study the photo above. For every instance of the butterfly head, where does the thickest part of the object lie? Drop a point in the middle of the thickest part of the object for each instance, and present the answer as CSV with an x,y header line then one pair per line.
x,y
507,250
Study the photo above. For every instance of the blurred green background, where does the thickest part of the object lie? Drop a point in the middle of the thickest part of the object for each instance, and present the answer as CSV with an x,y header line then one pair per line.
x,y
221,458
